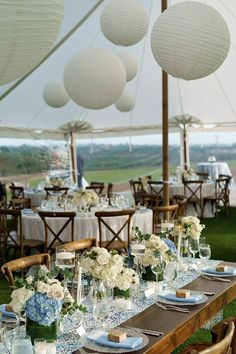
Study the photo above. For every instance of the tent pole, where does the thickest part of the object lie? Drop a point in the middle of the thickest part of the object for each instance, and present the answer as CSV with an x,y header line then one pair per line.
x,y
185,148
73,160
165,157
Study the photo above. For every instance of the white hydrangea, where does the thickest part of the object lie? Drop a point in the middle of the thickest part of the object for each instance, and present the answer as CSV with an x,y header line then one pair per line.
x,y
188,226
19,298
56,292
42,287
126,279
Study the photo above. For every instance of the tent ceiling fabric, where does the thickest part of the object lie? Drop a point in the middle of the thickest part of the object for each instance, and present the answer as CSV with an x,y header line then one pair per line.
x,y
24,114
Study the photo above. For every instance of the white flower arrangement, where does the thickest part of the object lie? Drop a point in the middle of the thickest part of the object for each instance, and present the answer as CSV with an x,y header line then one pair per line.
x,y
188,227
108,266
85,197
57,182
188,174
42,297
211,158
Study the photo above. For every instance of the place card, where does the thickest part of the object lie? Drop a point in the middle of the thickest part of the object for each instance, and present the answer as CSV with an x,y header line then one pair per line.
x,y
150,292
81,331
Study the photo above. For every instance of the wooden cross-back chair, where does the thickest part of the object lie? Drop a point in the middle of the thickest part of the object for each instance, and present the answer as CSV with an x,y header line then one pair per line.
x,y
98,188
159,213
21,203
182,201
80,245
3,195
109,191
23,263
137,189
12,234
193,193
16,191
156,187
149,200
221,195
65,223
116,241
56,191
203,175
223,346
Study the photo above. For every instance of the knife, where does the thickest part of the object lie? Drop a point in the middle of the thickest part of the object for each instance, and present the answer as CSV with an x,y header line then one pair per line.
x,y
216,278
145,331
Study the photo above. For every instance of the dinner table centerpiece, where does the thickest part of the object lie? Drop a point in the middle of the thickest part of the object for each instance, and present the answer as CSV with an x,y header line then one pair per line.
x,y
154,245
57,182
186,229
45,302
85,199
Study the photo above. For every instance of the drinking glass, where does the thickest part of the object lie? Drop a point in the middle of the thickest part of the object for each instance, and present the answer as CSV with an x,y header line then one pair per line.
x,y
159,265
205,252
194,247
40,346
101,303
65,259
9,330
22,345
137,249
170,273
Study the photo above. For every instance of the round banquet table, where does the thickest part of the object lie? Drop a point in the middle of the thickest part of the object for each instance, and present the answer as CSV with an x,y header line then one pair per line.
x,y
214,169
208,189
85,226
36,196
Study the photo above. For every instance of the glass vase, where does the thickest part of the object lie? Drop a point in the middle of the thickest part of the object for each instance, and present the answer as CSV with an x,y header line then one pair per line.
x,y
184,247
35,330
148,275
122,293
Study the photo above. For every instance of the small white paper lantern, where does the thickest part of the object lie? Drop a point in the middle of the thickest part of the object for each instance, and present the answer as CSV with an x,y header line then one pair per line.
x,y
130,64
125,103
94,78
28,30
190,40
124,22
55,95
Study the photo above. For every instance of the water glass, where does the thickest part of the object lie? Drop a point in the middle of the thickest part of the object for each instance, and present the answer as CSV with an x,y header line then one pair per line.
x,y
51,346
9,330
170,273
205,252
194,247
40,346
101,303
22,345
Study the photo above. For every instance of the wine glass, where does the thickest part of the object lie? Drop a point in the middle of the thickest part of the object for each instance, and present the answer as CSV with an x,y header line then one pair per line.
x,y
65,259
159,265
194,247
9,330
205,252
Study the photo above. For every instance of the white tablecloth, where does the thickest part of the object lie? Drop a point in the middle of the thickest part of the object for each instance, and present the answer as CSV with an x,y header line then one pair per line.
x,y
84,226
214,169
36,197
208,189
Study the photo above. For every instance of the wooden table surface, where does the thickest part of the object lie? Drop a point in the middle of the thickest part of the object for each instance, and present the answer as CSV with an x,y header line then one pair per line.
x,y
176,326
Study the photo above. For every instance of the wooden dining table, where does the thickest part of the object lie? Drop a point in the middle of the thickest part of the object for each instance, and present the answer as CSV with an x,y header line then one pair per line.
x,y
178,327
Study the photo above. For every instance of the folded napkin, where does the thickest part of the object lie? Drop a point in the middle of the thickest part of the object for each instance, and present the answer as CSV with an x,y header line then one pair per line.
x,y
6,313
28,212
191,299
230,271
102,339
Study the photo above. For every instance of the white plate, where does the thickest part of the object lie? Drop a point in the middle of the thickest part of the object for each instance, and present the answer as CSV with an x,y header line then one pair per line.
x,y
5,312
219,274
183,303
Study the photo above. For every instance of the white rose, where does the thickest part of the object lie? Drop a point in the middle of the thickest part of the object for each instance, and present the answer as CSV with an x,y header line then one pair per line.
x,y
103,259
29,279
56,292
42,287
19,298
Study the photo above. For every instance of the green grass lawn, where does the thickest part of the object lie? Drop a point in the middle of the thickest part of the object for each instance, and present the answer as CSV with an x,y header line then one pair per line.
x,y
221,235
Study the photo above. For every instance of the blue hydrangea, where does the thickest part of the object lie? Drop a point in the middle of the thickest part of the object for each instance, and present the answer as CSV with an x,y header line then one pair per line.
x,y
42,309
171,245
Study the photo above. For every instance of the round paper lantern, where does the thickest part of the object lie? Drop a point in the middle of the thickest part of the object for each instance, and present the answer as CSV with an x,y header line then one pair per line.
x,y
94,78
124,22
190,40
130,64
28,30
125,103
55,95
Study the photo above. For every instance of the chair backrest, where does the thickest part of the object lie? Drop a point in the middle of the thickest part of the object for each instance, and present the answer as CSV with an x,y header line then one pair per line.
x,y
193,192
181,200
9,268
11,229
222,189
3,194
136,189
149,200
56,191
66,223
115,231
223,346
109,190
16,191
80,245
21,203
203,175
158,215
95,183
98,188
156,187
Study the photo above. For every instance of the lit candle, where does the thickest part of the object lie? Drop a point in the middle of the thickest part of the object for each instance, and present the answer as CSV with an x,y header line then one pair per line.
x,y
179,244
51,346
39,346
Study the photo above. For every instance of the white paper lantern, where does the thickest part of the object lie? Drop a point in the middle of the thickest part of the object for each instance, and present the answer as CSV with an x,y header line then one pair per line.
x,y
94,78
28,30
125,103
124,22
55,95
130,64
190,40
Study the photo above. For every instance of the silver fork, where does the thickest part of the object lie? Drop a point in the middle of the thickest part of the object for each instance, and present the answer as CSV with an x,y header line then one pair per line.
x,y
215,278
172,308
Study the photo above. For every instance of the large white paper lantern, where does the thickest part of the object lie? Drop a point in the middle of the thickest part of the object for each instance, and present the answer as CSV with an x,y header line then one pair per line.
x,y
190,40
94,78
28,30
130,64
125,103
55,95
124,22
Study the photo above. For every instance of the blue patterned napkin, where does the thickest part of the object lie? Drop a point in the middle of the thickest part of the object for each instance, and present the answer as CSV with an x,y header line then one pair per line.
x,y
230,271
191,299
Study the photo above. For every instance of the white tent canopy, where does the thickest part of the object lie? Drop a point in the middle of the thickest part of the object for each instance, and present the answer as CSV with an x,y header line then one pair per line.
x,y
24,114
